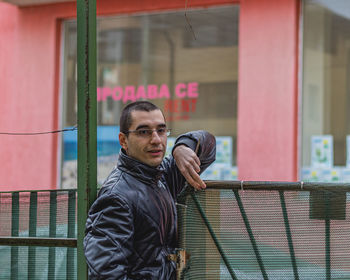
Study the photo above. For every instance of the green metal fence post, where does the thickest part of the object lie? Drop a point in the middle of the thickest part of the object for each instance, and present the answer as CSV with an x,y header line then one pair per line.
x,y
71,233
52,233
33,206
87,120
14,232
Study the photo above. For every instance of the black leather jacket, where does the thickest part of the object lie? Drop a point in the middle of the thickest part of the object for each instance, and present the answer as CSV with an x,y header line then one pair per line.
x,y
132,226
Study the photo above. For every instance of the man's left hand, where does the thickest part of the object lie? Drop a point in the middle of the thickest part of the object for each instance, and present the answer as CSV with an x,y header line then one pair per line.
x,y
189,165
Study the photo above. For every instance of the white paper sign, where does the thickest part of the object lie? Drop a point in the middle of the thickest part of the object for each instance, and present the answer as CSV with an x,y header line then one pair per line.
x,y
322,151
224,149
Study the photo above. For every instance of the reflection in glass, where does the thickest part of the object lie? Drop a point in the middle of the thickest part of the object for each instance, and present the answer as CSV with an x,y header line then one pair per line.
x,y
326,88
191,76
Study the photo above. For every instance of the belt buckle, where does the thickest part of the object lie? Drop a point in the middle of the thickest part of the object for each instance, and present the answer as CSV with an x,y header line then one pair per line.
x,y
172,257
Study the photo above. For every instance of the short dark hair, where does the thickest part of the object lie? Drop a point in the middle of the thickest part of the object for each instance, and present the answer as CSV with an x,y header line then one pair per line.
x,y
125,117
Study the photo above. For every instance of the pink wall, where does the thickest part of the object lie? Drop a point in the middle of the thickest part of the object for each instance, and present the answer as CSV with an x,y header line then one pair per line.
x,y
267,86
29,94
29,78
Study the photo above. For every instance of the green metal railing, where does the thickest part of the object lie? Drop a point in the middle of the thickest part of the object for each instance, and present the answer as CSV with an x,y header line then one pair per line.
x,y
218,227
26,223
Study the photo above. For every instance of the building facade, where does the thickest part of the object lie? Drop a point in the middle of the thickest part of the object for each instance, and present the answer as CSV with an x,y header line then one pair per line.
x,y
269,78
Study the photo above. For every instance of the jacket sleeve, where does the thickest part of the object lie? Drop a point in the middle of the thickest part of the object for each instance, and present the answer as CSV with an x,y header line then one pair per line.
x,y
109,233
206,154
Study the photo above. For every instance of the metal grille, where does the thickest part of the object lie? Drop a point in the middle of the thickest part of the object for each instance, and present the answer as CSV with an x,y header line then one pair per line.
x,y
43,218
265,233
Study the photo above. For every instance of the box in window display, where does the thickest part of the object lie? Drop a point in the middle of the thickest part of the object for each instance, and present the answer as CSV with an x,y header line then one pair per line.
x,y
224,149
229,173
322,151
309,174
332,175
220,171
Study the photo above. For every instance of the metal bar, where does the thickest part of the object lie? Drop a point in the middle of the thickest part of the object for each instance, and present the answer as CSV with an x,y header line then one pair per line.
x,y
213,236
52,233
327,239
14,232
33,207
87,120
289,235
26,191
250,233
71,233
36,241
274,185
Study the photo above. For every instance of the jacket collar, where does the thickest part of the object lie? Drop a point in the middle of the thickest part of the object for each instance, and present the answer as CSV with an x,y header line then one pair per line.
x,y
143,172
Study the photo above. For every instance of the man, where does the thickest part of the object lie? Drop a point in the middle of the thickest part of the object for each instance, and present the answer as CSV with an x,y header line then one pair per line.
x,y
131,227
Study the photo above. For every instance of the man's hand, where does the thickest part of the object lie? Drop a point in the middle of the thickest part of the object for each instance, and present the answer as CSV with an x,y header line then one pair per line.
x,y
189,165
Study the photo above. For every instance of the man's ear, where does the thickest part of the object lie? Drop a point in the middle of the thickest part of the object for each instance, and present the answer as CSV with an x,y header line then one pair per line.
x,y
123,141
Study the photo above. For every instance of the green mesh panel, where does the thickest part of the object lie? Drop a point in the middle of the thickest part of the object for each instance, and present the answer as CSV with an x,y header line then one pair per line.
x,y
266,235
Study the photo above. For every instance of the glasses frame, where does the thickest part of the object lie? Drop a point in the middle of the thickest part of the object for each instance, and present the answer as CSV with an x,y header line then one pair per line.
x,y
150,132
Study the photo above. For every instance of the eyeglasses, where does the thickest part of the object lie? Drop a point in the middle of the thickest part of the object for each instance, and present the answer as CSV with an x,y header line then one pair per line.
x,y
145,133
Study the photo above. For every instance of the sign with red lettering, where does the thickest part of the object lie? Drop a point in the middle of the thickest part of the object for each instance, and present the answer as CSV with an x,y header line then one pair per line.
x,y
174,109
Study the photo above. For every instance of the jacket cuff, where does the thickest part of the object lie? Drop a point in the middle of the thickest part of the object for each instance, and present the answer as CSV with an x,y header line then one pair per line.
x,y
191,143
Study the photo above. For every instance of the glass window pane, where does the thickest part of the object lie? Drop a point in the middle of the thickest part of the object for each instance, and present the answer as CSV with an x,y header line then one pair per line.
x,y
186,66
326,91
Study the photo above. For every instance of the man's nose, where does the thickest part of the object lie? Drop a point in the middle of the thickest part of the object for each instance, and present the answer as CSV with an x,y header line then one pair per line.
x,y
155,137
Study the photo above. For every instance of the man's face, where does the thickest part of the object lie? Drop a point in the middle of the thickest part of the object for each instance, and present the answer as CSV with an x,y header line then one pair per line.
x,y
149,149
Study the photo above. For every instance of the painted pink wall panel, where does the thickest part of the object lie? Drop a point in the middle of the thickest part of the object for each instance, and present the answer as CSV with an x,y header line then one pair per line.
x,y
267,113
8,31
29,162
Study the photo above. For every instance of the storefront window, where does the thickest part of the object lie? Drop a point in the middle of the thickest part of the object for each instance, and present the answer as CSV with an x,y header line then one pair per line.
x,y
188,70
326,91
